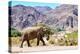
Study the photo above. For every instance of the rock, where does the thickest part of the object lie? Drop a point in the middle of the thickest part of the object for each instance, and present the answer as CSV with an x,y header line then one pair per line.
x,y
61,17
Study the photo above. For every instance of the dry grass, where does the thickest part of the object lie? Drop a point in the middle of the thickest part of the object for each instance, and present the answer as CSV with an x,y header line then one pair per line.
x,y
15,41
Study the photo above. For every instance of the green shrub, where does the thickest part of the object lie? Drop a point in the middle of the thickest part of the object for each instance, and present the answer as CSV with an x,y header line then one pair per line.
x,y
72,38
73,35
14,33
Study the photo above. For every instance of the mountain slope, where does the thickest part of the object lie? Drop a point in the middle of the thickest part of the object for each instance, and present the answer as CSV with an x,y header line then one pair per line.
x,y
22,16
62,17
42,9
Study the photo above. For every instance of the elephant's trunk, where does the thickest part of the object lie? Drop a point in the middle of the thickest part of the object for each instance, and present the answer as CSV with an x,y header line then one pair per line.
x,y
47,37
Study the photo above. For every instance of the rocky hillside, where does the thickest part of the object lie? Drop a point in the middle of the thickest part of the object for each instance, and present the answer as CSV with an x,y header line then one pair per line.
x,y
42,9
24,16
62,17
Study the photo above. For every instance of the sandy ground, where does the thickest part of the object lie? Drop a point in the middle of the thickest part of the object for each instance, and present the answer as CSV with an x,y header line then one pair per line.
x,y
41,48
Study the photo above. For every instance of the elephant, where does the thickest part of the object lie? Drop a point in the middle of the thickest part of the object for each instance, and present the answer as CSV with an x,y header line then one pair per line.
x,y
31,33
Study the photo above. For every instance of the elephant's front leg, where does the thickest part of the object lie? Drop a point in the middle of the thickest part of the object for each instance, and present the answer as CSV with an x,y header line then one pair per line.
x,y
42,41
38,41
28,43
38,38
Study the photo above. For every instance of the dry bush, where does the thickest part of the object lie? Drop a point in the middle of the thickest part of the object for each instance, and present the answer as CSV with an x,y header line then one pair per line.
x,y
60,41
15,41
51,40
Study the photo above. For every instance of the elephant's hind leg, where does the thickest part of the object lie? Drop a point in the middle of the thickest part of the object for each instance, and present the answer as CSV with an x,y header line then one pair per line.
x,y
28,43
22,43
38,41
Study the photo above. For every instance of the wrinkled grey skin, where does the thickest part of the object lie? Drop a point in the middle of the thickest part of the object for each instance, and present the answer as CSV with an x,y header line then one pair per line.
x,y
39,34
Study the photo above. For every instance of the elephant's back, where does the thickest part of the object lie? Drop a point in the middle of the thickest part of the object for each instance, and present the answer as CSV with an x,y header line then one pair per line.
x,y
30,29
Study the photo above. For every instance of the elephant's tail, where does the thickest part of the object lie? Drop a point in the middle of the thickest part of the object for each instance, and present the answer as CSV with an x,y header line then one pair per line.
x,y
47,37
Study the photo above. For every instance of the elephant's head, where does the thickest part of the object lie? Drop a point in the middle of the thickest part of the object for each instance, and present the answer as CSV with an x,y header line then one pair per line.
x,y
46,32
